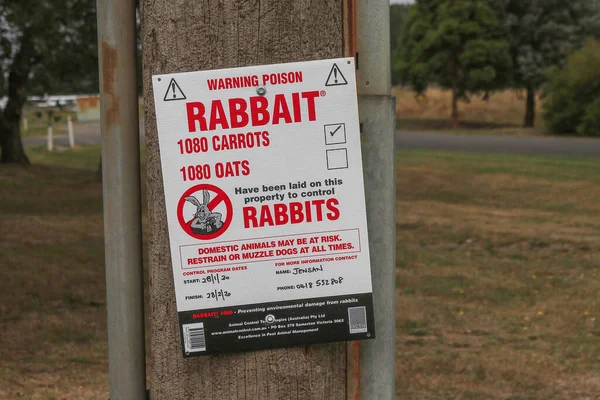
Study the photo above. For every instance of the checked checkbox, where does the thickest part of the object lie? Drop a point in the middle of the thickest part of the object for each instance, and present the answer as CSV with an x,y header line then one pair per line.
x,y
335,133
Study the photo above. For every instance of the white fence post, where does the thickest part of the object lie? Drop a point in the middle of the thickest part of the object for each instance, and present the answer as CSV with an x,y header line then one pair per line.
x,y
50,138
70,130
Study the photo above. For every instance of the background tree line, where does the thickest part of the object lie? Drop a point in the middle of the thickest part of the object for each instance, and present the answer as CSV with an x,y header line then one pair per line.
x,y
476,47
468,46
46,47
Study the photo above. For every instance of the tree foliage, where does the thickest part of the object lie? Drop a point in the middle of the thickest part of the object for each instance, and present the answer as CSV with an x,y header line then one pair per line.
x,y
398,14
572,96
456,45
541,34
63,39
45,46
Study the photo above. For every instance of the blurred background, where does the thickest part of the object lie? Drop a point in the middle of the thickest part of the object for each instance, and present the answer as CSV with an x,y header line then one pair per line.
x,y
498,227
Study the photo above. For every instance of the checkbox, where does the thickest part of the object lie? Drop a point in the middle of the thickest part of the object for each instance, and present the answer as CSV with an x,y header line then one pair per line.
x,y
335,133
337,159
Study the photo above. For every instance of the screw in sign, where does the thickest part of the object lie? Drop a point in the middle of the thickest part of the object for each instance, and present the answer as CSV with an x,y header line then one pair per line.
x,y
204,211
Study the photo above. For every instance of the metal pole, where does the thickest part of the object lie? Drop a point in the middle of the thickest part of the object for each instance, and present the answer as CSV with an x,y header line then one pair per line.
x,y
121,189
377,114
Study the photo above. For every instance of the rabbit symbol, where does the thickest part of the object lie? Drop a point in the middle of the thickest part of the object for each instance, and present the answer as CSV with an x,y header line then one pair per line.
x,y
205,221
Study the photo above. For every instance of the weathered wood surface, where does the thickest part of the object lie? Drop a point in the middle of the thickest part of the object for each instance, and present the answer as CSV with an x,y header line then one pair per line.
x,y
188,35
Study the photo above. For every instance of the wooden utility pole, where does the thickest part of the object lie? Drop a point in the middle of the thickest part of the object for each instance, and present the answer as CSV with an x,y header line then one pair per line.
x,y
183,35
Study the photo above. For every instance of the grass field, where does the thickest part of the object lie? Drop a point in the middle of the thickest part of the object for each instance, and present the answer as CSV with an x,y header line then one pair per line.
x,y
501,114
498,294
52,301
498,277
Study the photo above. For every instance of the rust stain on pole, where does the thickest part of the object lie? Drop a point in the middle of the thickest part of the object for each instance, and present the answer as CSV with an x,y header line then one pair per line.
x,y
353,348
110,60
353,372
122,199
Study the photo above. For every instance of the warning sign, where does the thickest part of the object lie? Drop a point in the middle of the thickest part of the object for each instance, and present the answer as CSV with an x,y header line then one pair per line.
x,y
336,78
174,92
265,205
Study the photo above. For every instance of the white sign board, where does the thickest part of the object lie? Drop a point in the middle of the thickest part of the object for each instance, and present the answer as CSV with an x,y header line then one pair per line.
x,y
265,205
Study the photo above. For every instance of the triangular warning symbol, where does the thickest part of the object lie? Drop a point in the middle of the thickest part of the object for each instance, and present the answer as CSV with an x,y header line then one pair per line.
x,y
174,92
335,77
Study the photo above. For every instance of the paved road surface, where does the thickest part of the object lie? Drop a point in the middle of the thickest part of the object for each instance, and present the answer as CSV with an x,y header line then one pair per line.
x,y
87,133
500,144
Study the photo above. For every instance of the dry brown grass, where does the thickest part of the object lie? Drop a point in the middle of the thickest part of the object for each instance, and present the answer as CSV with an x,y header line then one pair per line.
x,y
498,292
52,301
498,268
503,112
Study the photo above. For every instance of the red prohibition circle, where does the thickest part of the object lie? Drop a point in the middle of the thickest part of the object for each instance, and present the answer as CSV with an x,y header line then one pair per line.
x,y
219,197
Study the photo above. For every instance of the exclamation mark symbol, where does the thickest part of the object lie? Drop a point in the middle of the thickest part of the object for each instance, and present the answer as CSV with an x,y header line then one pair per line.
x,y
173,86
335,75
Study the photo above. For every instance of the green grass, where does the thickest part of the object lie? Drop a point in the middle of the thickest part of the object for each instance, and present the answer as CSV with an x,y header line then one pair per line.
x,y
556,167
85,157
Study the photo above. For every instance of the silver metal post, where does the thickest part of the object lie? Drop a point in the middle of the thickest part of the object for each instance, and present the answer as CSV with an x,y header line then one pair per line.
x,y
377,114
121,189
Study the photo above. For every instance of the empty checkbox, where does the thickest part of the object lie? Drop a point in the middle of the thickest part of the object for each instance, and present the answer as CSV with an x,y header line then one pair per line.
x,y
337,159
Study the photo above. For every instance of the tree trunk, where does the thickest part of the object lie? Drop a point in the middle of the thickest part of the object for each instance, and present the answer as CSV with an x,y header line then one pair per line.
x,y
99,171
10,120
187,36
454,78
530,108
455,117
10,143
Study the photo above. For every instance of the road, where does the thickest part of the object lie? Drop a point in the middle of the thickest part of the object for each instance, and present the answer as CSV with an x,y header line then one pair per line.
x,y
87,133
499,144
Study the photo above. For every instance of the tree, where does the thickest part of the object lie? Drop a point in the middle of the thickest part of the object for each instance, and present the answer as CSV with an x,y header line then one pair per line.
x,y
398,14
456,45
572,95
45,45
542,33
